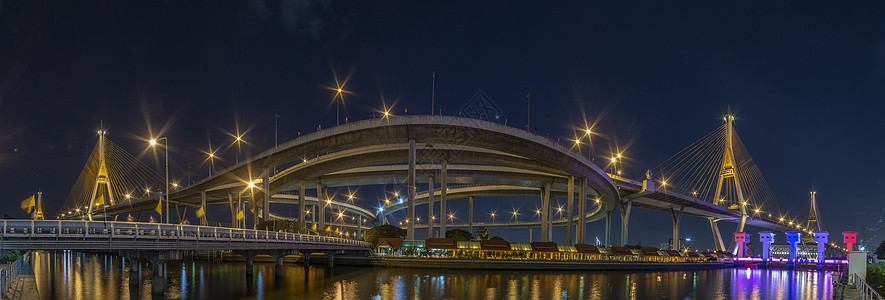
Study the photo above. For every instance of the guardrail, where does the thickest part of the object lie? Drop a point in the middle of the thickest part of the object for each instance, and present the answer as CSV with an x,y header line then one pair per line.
x,y
34,231
8,273
864,289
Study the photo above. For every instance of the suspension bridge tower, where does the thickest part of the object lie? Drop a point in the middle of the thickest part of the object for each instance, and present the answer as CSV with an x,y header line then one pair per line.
x,y
814,214
101,179
728,170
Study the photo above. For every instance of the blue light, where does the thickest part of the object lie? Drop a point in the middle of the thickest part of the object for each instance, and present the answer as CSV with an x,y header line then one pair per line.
x,y
688,239
380,209
400,199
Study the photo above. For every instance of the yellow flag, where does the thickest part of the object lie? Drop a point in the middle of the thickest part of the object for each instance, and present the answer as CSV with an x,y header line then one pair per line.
x,y
159,207
241,215
200,212
28,204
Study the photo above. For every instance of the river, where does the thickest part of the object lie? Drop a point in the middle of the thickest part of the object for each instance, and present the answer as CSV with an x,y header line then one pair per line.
x,y
73,275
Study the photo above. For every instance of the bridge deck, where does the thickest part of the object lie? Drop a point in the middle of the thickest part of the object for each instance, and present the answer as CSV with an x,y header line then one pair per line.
x,y
98,235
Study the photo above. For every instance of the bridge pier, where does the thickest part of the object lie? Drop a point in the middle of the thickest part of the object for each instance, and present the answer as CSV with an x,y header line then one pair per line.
x,y
233,211
717,237
443,217
249,270
470,215
306,257
158,284
429,207
278,266
359,227
625,219
321,207
302,203
410,219
570,203
677,218
157,259
582,210
134,271
331,259
265,204
608,225
545,212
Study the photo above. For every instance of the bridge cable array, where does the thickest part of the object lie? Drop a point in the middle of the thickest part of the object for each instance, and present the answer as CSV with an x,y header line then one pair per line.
x,y
126,176
695,171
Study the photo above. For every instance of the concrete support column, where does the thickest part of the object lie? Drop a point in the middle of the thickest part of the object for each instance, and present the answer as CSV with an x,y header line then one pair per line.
x,y
443,213
625,219
249,257
203,218
313,217
717,237
158,284
265,206
278,266
233,211
410,230
331,260
302,203
134,271
320,211
359,227
547,220
306,257
608,225
582,209
470,215
677,218
326,207
570,199
430,207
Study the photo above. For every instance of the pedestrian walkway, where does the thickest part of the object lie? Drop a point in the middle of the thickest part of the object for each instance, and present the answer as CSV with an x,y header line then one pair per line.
x,y
24,285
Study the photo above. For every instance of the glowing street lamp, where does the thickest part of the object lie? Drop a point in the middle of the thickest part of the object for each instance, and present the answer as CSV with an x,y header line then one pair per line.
x,y
153,143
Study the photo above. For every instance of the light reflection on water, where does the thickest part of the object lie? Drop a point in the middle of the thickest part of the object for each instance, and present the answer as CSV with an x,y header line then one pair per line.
x,y
91,276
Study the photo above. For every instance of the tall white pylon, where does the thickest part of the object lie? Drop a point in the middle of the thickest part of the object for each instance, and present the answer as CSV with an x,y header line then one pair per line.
x,y
101,179
814,214
728,170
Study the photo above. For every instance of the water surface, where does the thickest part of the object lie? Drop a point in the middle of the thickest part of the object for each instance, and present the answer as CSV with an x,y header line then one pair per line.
x,y
72,275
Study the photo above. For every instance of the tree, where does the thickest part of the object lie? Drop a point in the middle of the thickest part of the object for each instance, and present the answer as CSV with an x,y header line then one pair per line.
x,y
459,235
880,251
383,231
496,238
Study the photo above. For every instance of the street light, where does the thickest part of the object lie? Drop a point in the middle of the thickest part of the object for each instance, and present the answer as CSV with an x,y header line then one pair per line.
x,y
153,143
239,138
211,162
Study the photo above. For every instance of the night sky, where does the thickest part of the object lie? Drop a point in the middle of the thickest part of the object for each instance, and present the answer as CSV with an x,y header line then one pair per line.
x,y
806,80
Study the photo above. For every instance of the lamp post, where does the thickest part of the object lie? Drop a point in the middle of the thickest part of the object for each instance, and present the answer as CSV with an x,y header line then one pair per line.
x,y
153,143
211,162
239,139
589,134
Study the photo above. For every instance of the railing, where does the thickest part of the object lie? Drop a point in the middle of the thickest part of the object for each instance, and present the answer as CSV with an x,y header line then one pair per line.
x,y
8,273
864,289
53,229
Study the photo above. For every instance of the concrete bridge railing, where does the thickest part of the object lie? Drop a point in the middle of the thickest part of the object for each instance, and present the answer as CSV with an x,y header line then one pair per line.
x,y
100,235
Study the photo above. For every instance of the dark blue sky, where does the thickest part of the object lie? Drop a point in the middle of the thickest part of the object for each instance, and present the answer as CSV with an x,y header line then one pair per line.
x,y
807,81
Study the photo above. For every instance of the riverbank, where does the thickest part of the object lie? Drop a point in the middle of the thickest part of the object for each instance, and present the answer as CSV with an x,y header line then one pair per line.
x,y
536,265
23,284
480,264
